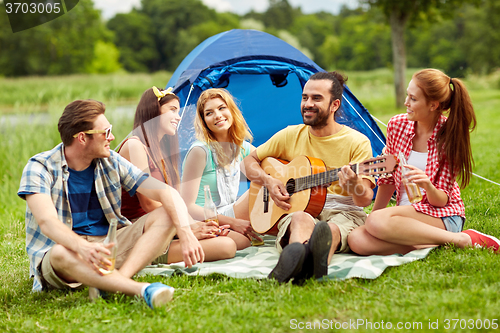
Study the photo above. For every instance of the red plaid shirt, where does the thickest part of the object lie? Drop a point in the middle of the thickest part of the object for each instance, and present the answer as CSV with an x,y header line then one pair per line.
x,y
400,133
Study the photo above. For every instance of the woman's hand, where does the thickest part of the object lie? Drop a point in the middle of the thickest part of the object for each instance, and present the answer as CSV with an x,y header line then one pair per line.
x,y
418,177
435,196
210,229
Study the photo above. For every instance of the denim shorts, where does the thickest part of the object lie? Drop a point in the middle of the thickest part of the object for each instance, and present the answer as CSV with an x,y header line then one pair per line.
x,y
453,223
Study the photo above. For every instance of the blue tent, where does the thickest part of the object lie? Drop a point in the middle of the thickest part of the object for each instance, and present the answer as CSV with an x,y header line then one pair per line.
x,y
266,76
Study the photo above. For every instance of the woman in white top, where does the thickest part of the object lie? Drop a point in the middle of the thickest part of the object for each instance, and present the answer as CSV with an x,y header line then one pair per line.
x,y
439,152
215,160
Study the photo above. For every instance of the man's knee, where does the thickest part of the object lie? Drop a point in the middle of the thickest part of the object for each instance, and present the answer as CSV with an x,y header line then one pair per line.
x,y
301,225
160,220
336,237
301,220
335,231
56,268
61,258
58,253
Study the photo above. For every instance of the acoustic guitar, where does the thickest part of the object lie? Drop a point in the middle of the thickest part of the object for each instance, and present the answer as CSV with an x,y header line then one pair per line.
x,y
306,180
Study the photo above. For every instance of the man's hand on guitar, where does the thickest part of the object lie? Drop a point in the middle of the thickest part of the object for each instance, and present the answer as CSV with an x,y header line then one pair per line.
x,y
348,180
278,193
360,189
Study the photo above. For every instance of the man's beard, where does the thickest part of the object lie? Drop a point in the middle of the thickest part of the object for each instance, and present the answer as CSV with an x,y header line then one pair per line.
x,y
319,121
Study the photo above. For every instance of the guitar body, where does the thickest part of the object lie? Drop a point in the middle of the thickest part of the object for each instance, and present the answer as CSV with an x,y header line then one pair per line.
x,y
309,200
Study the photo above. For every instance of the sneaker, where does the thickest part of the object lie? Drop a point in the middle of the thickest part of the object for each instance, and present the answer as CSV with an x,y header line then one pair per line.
x,y
307,271
319,245
95,293
482,240
290,263
158,294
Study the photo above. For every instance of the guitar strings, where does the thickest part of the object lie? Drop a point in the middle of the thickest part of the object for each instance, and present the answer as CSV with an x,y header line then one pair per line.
x,y
317,179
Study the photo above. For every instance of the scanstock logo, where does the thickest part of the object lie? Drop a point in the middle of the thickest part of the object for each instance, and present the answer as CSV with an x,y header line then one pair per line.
x,y
26,14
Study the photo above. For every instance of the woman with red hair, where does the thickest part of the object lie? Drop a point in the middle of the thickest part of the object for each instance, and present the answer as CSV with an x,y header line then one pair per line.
x,y
433,136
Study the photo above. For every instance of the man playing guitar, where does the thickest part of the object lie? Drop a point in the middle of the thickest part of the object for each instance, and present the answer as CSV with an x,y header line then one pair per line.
x,y
308,243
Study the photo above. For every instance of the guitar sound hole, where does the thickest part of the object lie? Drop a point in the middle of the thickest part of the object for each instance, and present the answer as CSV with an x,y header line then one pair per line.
x,y
290,186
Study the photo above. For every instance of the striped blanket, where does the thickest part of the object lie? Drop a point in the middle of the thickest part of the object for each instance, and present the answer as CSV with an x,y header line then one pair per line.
x,y
258,261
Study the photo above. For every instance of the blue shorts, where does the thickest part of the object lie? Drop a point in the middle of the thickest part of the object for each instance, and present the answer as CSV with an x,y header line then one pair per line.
x,y
453,223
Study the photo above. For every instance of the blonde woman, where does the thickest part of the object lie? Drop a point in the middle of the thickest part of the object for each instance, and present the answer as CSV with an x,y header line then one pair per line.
x,y
215,159
153,147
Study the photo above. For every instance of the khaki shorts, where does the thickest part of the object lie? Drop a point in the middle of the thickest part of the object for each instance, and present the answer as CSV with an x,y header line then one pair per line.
x,y
126,238
346,222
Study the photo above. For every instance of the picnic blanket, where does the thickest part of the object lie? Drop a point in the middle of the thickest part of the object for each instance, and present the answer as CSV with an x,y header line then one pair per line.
x,y
258,261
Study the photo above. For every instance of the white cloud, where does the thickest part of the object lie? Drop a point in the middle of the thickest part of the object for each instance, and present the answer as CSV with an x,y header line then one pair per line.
x,y
111,7
219,5
237,6
308,6
314,6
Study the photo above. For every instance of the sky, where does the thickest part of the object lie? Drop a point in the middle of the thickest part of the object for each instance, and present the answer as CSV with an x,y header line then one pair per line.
x,y
111,7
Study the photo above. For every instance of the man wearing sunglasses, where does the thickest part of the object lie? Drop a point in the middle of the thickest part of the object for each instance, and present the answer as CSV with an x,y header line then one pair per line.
x,y
74,190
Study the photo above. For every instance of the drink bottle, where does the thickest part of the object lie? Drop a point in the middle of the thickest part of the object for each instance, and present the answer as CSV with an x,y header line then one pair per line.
x,y
209,207
111,238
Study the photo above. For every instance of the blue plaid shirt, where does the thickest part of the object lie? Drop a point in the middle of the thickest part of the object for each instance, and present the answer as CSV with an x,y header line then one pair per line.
x,y
48,173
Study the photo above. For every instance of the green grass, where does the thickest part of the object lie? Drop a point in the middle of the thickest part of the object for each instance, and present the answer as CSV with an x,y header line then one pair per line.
x,y
449,284
42,94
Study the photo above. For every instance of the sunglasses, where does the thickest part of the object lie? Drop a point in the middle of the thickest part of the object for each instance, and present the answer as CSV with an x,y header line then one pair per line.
x,y
106,131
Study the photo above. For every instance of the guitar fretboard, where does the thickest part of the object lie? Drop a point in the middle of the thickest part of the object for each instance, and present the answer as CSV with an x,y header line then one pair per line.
x,y
318,179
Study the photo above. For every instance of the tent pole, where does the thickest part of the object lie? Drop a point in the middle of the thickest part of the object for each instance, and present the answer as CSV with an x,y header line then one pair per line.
x,y
371,129
185,104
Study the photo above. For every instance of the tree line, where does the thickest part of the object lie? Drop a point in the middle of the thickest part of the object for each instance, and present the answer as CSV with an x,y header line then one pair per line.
x,y
159,34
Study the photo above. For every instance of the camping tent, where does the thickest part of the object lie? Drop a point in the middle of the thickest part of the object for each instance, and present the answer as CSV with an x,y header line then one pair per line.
x,y
266,76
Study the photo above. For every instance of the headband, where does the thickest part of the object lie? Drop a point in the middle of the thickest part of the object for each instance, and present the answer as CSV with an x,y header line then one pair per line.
x,y
162,93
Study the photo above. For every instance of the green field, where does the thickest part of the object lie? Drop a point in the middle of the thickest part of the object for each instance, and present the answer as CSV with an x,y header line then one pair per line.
x,y
455,288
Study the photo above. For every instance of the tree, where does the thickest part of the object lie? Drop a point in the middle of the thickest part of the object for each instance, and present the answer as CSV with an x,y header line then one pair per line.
x,y
312,31
134,37
438,45
65,45
402,12
168,18
279,15
364,41
162,32
106,59
188,39
481,38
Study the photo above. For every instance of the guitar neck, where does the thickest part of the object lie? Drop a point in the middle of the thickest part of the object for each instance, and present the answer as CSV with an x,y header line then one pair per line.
x,y
321,178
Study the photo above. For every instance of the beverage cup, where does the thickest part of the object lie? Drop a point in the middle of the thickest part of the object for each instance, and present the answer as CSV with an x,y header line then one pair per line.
x,y
412,189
